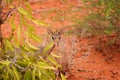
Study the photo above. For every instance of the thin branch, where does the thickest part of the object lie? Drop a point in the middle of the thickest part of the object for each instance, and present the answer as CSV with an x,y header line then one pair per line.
x,y
48,53
8,14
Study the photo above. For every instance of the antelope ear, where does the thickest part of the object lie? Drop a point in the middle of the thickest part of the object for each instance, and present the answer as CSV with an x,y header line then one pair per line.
x,y
49,31
61,31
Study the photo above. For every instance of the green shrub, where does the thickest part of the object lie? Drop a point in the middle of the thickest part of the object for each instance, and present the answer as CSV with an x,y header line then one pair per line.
x,y
18,59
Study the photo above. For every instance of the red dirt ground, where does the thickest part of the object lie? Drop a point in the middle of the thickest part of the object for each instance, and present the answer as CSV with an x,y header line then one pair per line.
x,y
88,61
91,64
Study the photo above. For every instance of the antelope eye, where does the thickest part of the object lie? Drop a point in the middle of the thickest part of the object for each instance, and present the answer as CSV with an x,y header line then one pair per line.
x,y
53,37
59,37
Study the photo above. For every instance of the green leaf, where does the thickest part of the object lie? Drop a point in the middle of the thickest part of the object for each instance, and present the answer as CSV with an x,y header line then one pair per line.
x,y
48,47
5,62
9,45
31,29
12,22
53,61
62,76
52,74
108,31
23,63
36,38
29,8
9,1
64,1
39,74
102,2
16,73
10,71
31,46
26,48
43,65
18,32
22,11
28,75
107,13
39,22
24,55
22,21
33,73
54,55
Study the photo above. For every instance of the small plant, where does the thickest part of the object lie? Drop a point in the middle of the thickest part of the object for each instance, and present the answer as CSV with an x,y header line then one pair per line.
x,y
103,16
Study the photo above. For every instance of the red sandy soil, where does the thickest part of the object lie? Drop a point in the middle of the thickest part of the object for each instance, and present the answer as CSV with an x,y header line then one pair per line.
x,y
90,61
91,64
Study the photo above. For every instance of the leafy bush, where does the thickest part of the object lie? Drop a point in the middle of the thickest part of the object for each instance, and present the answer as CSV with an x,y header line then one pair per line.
x,y
102,17
19,60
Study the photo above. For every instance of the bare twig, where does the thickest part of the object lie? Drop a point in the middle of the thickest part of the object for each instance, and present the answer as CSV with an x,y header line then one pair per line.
x,y
3,18
48,53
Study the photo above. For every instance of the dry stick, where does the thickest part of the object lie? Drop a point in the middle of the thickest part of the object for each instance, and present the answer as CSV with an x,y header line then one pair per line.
x,y
3,18
48,53
1,7
0,35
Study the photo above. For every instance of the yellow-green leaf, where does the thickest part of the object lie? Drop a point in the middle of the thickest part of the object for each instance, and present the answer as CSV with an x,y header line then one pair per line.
x,y
43,65
16,73
22,11
52,60
36,38
9,45
12,22
26,48
11,6
54,55
23,63
33,73
39,22
108,31
28,75
39,74
29,8
10,70
48,47
62,76
19,32
5,62
31,46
